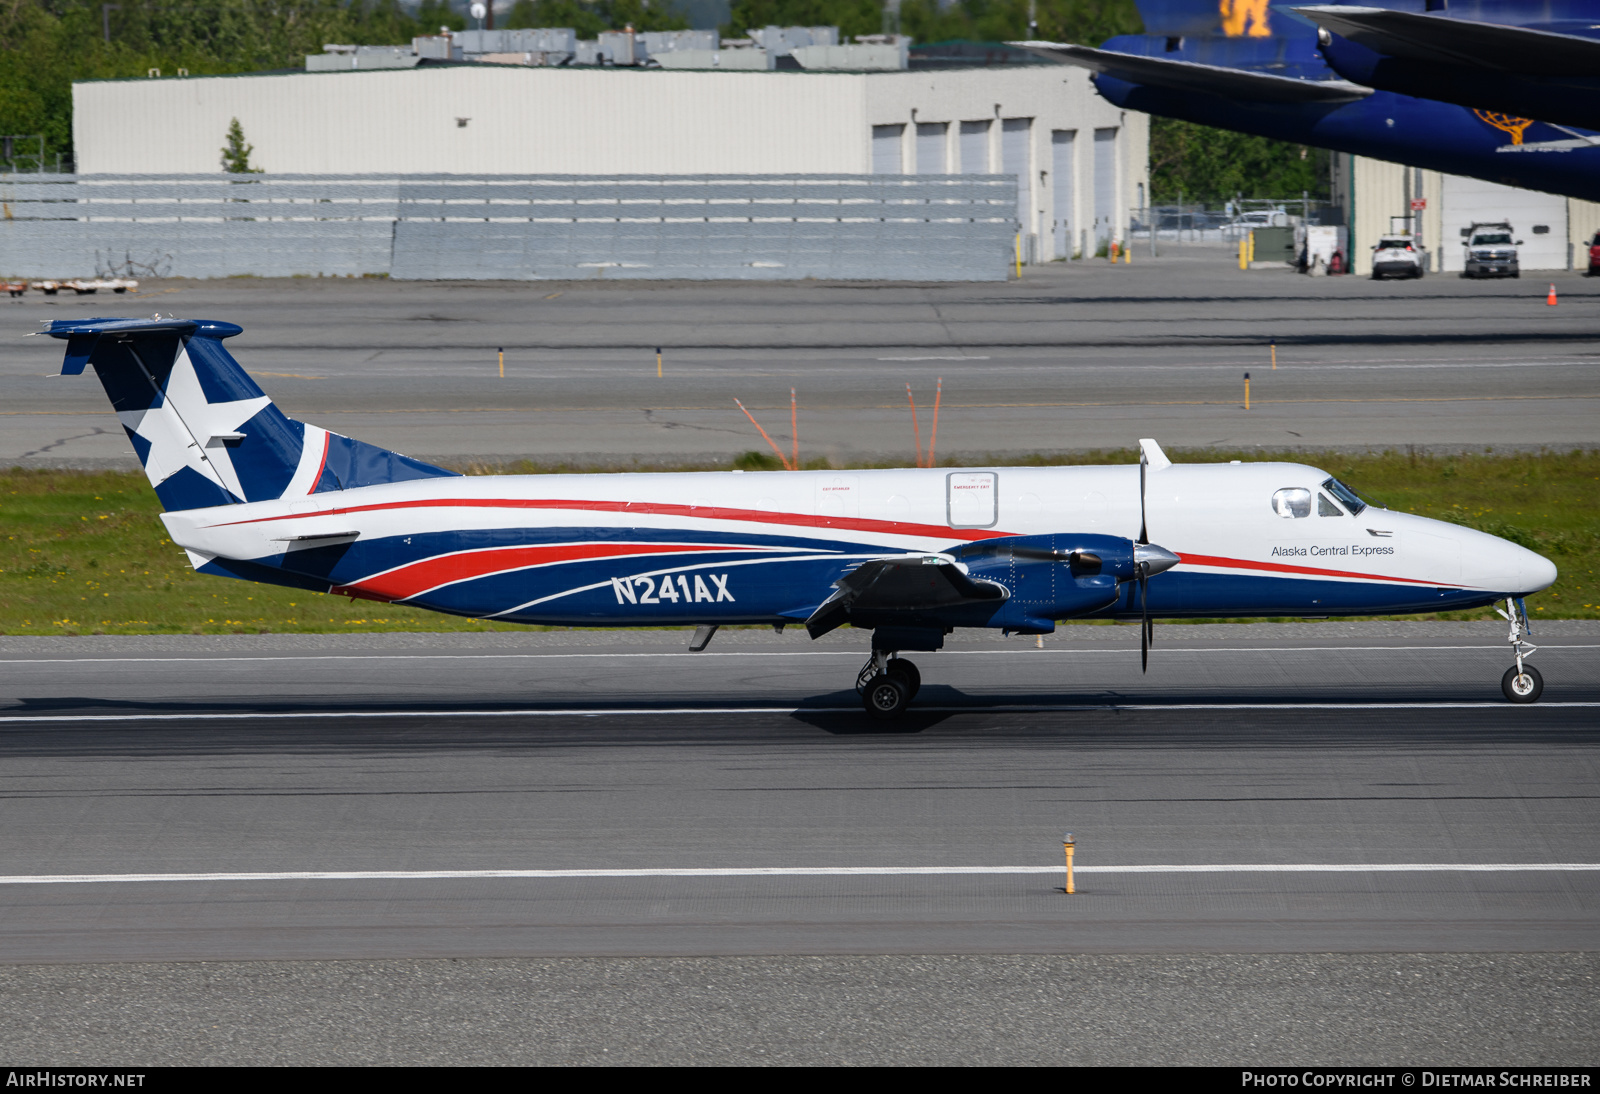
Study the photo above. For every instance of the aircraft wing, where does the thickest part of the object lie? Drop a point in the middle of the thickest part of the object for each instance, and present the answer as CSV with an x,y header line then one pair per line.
x,y
1443,40
903,583
1230,83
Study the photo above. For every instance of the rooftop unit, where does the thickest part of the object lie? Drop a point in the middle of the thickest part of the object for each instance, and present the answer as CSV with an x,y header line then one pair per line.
x,y
336,58
816,48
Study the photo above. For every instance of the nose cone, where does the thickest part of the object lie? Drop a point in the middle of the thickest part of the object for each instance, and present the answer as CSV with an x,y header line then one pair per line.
x,y
1156,558
1534,572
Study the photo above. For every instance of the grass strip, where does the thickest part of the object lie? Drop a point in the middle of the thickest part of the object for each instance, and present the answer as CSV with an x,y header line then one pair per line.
x,y
84,551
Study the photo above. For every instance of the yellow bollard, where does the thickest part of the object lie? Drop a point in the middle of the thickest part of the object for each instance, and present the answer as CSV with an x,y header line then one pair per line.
x,y
1242,264
658,362
1274,355
1070,847
1019,256
1247,391
1252,246
502,362
1127,255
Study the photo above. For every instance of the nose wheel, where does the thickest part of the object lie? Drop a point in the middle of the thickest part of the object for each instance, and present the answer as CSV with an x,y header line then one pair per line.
x,y
1522,685
887,684
1522,682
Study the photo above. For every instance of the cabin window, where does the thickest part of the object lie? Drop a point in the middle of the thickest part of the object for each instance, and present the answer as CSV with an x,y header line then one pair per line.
x,y
1326,508
1292,501
1345,495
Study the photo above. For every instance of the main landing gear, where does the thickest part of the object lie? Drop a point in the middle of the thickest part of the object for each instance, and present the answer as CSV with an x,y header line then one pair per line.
x,y
886,683
1521,683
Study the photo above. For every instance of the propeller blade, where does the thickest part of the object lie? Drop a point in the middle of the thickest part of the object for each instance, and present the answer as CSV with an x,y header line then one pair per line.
x,y
1144,621
1144,533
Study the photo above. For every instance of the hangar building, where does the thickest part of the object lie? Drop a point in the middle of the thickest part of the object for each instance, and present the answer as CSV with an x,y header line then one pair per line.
x,y
1081,163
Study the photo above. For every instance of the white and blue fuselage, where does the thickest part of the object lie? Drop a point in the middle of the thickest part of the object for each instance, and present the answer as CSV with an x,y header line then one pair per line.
x,y
766,547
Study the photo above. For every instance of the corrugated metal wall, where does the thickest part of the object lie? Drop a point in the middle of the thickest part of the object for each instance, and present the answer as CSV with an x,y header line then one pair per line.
x,y
854,227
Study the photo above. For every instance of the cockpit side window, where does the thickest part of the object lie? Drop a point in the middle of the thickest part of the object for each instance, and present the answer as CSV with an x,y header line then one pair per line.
x,y
1292,501
1346,496
1326,508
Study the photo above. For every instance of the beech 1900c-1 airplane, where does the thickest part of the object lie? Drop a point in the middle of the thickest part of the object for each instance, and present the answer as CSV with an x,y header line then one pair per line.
x,y
909,554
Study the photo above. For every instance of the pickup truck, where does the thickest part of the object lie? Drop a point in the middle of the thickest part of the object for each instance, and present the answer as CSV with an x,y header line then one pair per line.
x,y
1491,252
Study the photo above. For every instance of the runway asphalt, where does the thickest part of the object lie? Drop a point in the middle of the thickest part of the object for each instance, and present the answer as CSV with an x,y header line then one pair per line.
x,y
1074,356
723,857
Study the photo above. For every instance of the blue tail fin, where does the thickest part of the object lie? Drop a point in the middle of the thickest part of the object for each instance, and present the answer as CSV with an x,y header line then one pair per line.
x,y
203,430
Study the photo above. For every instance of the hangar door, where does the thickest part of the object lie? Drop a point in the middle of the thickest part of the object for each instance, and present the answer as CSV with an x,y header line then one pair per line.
x,y
888,157
1061,172
1105,185
1015,144
1539,220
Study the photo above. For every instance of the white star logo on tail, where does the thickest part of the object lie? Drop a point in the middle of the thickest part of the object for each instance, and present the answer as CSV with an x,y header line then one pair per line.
x,y
187,431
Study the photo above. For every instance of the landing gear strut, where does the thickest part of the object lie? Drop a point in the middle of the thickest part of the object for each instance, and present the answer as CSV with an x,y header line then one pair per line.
x,y
1521,683
886,684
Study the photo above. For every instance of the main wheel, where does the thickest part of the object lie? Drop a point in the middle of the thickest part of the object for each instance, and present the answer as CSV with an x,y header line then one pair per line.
x,y
905,672
885,697
1523,687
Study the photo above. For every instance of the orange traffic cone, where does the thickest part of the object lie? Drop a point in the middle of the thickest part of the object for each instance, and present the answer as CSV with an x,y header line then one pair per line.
x,y
1551,299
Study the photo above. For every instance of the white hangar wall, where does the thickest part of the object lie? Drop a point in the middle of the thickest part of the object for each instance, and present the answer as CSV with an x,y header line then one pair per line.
x,y
1555,230
1081,162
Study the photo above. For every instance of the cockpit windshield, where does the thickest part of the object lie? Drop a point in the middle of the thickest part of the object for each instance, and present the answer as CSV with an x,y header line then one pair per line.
x,y
1345,495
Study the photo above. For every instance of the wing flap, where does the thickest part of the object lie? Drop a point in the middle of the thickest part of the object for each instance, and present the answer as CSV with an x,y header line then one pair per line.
x,y
1443,40
1230,83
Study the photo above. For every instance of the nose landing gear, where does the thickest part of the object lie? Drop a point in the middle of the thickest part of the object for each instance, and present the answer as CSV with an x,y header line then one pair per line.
x,y
887,683
1521,683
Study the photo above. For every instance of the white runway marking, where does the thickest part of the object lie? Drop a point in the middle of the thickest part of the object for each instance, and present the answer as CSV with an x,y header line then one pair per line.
x,y
646,712
815,871
1020,651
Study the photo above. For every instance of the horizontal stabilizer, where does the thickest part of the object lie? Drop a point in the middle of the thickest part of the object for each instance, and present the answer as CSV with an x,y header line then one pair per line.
x,y
1229,83
1442,40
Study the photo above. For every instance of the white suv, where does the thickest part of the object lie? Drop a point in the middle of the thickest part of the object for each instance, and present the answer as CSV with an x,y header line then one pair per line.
x,y
1396,256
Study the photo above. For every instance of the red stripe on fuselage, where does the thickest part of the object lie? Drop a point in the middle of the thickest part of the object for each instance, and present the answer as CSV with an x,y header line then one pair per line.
x,y
327,440
1311,571
404,582
656,509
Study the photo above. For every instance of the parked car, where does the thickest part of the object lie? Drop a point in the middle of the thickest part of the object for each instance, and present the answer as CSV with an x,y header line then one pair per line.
x,y
1594,256
1262,218
1491,251
1396,256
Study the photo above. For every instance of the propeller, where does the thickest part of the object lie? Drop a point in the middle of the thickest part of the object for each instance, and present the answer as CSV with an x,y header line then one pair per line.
x,y
1148,559
1142,570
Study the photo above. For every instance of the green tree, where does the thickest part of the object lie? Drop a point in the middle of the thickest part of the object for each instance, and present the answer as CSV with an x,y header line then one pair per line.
x,y
590,17
433,14
1216,164
236,153
1086,22
850,16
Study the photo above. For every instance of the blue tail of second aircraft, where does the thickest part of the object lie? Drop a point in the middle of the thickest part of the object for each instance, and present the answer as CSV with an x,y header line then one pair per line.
x,y
205,433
